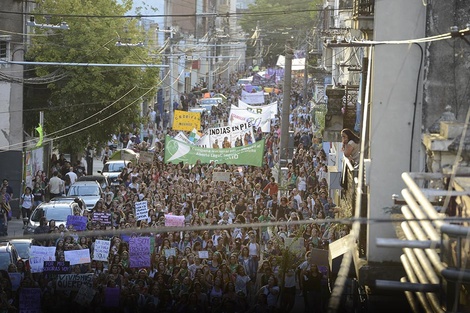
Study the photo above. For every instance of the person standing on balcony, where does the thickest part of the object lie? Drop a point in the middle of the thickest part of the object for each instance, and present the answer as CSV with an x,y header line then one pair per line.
x,y
350,145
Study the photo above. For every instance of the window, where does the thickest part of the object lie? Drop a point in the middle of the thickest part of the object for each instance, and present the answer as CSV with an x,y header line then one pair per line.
x,y
3,50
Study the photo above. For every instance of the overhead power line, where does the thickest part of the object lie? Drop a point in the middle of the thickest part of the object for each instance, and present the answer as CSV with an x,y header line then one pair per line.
x,y
228,14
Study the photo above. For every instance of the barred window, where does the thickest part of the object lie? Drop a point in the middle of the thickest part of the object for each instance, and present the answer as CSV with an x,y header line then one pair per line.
x,y
3,49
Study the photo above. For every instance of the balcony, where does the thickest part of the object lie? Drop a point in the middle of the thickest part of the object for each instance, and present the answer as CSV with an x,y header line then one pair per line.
x,y
433,234
363,15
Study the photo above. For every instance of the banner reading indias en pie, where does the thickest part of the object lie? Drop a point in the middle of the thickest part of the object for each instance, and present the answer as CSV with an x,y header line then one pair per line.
x,y
177,151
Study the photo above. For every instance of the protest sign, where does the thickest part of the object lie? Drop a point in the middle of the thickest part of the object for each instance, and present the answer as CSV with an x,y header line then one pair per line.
x,y
141,211
177,151
174,220
146,157
78,222
139,252
253,97
15,279
73,282
56,267
295,245
221,176
203,254
111,297
39,254
30,300
85,295
101,251
170,252
81,256
186,121
103,218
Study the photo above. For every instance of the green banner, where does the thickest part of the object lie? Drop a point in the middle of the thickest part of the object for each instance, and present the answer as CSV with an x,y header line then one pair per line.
x,y
177,151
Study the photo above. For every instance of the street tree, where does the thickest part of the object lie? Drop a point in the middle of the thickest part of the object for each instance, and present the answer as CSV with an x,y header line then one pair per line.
x,y
88,104
270,23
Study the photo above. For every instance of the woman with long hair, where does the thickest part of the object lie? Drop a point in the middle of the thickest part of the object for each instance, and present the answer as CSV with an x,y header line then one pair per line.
x,y
350,146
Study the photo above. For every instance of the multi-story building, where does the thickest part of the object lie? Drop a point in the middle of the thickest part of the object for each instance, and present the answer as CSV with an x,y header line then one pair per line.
x,y
400,60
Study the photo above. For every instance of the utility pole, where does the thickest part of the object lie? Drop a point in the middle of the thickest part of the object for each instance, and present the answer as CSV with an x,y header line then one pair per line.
x,y
171,79
307,48
283,153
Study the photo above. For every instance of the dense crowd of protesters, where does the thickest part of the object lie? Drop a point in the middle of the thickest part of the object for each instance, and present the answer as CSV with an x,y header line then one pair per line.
x,y
245,269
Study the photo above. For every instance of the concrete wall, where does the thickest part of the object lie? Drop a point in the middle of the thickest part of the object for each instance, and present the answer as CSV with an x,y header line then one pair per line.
x,y
393,90
448,61
11,100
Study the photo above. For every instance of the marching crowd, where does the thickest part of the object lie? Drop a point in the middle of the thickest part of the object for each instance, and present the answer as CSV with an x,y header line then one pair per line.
x,y
218,262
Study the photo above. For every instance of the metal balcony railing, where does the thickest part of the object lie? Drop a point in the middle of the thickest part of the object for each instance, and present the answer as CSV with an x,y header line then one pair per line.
x,y
435,249
363,8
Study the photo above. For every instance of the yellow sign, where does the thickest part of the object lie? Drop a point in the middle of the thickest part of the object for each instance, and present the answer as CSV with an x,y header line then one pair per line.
x,y
186,121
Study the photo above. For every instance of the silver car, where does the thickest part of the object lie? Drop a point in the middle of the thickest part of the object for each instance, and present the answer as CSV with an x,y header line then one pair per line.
x,y
56,210
89,191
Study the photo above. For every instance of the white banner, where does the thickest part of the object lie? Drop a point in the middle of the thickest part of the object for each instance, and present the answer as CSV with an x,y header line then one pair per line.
x,y
39,254
81,256
182,137
101,250
253,97
239,115
141,211
259,109
204,141
236,135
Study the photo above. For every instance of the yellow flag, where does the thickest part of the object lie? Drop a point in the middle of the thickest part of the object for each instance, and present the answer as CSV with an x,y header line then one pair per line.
x,y
41,135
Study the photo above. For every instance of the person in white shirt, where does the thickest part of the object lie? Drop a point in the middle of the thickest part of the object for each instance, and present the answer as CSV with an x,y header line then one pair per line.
x,y
71,174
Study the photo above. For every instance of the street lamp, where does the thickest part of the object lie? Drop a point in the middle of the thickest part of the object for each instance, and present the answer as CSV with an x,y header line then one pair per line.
x,y
121,44
62,25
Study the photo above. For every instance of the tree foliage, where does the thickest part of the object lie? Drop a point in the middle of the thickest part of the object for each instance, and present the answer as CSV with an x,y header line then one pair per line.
x,y
89,104
277,21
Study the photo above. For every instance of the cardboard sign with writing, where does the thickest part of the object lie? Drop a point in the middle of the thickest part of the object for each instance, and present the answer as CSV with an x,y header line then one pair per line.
x,y
56,267
174,220
221,176
78,222
170,252
139,252
103,218
101,251
203,254
81,256
73,282
141,211
38,255
146,157
85,295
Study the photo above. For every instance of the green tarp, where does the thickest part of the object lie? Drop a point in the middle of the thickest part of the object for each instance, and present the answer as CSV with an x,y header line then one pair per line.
x,y
177,151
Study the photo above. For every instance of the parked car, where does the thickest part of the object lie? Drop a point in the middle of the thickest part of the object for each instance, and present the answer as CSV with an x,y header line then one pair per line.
x,y
81,203
100,179
89,191
54,210
112,169
22,247
8,255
